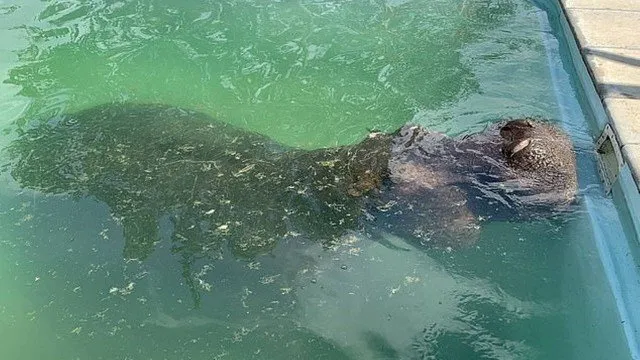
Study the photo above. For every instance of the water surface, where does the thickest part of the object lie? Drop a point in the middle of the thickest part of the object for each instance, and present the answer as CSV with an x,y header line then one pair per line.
x,y
306,74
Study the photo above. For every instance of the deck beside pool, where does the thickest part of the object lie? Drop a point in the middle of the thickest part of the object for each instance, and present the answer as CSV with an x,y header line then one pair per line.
x,y
608,34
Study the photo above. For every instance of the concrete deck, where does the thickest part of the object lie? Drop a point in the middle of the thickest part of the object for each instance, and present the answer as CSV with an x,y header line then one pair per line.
x,y
608,34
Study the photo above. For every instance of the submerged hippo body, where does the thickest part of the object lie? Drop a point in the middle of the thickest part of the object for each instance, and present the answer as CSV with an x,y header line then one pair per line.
x,y
514,170
216,184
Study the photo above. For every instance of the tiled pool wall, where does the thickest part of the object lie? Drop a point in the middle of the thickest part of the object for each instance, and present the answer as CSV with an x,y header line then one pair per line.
x,y
619,251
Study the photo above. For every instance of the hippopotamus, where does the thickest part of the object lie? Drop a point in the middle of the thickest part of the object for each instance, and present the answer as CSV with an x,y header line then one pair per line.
x,y
519,169
218,186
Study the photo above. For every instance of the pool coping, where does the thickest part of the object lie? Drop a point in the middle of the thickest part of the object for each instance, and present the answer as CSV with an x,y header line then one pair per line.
x,y
609,43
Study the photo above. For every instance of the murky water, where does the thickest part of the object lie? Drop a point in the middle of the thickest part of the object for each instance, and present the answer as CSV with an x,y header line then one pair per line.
x,y
89,271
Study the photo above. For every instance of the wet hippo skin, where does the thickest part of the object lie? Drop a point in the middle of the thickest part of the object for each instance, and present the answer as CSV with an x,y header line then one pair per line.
x,y
514,170
215,185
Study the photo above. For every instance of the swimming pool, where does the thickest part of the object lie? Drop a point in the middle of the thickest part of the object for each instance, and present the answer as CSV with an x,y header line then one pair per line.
x,y
308,74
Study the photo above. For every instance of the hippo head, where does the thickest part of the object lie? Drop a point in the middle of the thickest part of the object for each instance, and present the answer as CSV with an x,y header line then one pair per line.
x,y
517,136
540,163
518,169
525,161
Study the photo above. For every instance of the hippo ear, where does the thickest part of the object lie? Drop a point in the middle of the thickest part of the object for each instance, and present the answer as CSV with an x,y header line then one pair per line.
x,y
517,146
522,123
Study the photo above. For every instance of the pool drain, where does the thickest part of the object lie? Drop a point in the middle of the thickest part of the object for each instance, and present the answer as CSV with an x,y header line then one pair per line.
x,y
610,160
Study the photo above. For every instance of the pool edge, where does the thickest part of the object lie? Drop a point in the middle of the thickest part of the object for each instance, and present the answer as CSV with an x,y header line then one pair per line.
x,y
616,117
612,60
616,252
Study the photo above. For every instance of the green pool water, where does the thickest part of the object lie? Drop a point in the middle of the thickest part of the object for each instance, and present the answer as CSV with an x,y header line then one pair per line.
x,y
307,74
